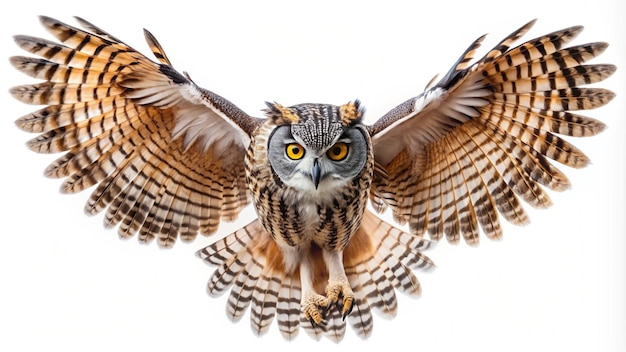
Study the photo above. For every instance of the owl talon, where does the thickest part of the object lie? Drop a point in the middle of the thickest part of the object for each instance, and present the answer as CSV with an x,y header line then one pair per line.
x,y
347,309
311,307
341,290
316,306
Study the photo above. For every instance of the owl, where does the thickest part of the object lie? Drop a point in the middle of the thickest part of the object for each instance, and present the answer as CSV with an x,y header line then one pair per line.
x,y
168,159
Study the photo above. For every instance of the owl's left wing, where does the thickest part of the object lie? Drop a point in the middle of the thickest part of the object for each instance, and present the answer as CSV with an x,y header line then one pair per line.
x,y
166,155
452,158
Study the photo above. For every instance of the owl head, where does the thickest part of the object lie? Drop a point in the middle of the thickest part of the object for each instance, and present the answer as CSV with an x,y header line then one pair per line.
x,y
317,147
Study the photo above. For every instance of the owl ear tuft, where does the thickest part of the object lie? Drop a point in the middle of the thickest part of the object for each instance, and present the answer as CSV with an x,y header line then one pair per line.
x,y
351,113
280,115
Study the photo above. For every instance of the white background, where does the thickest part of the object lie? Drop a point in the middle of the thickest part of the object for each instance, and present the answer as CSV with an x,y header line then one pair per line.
x,y
555,285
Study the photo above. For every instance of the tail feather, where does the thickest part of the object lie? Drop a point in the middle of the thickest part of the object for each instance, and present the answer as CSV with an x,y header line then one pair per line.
x,y
236,267
386,264
374,283
288,306
378,260
225,275
333,327
244,260
361,319
264,301
243,289
230,246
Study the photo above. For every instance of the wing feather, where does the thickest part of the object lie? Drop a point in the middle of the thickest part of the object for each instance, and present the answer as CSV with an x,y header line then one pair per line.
x,y
462,153
166,155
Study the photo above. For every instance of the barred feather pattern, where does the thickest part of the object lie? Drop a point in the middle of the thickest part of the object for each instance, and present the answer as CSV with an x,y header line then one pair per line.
x,y
149,182
379,260
458,184
166,159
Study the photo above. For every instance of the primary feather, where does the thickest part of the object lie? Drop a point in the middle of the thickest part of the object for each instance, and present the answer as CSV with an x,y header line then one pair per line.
x,y
466,149
169,159
114,113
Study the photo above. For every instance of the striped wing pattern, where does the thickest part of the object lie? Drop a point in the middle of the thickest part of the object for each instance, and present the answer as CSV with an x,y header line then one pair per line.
x,y
166,158
487,133
378,262
119,135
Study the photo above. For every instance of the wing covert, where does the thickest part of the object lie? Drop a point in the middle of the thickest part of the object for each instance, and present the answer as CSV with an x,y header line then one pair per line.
x,y
465,150
166,155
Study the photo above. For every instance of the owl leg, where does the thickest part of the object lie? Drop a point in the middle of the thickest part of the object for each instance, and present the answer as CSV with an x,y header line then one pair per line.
x,y
338,286
311,300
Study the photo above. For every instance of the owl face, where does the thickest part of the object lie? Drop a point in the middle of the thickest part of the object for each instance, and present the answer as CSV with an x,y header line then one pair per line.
x,y
317,153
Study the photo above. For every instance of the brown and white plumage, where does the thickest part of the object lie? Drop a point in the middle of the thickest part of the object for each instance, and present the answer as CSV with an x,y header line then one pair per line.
x,y
118,115
467,148
378,261
170,159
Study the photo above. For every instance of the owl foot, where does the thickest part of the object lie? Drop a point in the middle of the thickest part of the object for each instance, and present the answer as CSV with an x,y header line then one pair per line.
x,y
315,306
311,307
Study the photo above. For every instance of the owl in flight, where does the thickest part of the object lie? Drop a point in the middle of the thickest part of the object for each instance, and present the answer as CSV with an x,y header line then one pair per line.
x,y
169,159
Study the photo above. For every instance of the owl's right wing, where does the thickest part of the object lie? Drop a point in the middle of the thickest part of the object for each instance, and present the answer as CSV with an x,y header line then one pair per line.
x,y
166,155
455,157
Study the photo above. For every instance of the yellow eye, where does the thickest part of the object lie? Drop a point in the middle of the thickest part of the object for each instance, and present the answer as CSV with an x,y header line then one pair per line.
x,y
294,151
338,151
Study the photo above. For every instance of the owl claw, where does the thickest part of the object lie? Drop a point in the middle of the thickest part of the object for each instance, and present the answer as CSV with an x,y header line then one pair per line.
x,y
316,306
345,312
311,305
337,290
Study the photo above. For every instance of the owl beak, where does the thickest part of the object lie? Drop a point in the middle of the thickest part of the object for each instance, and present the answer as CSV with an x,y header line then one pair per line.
x,y
316,173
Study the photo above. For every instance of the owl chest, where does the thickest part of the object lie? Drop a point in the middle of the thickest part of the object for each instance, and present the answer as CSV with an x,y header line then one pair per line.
x,y
297,221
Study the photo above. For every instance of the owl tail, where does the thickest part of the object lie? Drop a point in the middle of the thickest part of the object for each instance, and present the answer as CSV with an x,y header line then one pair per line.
x,y
379,260
251,262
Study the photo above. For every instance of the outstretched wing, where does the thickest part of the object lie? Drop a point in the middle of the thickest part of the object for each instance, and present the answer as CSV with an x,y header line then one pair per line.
x,y
166,155
470,146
